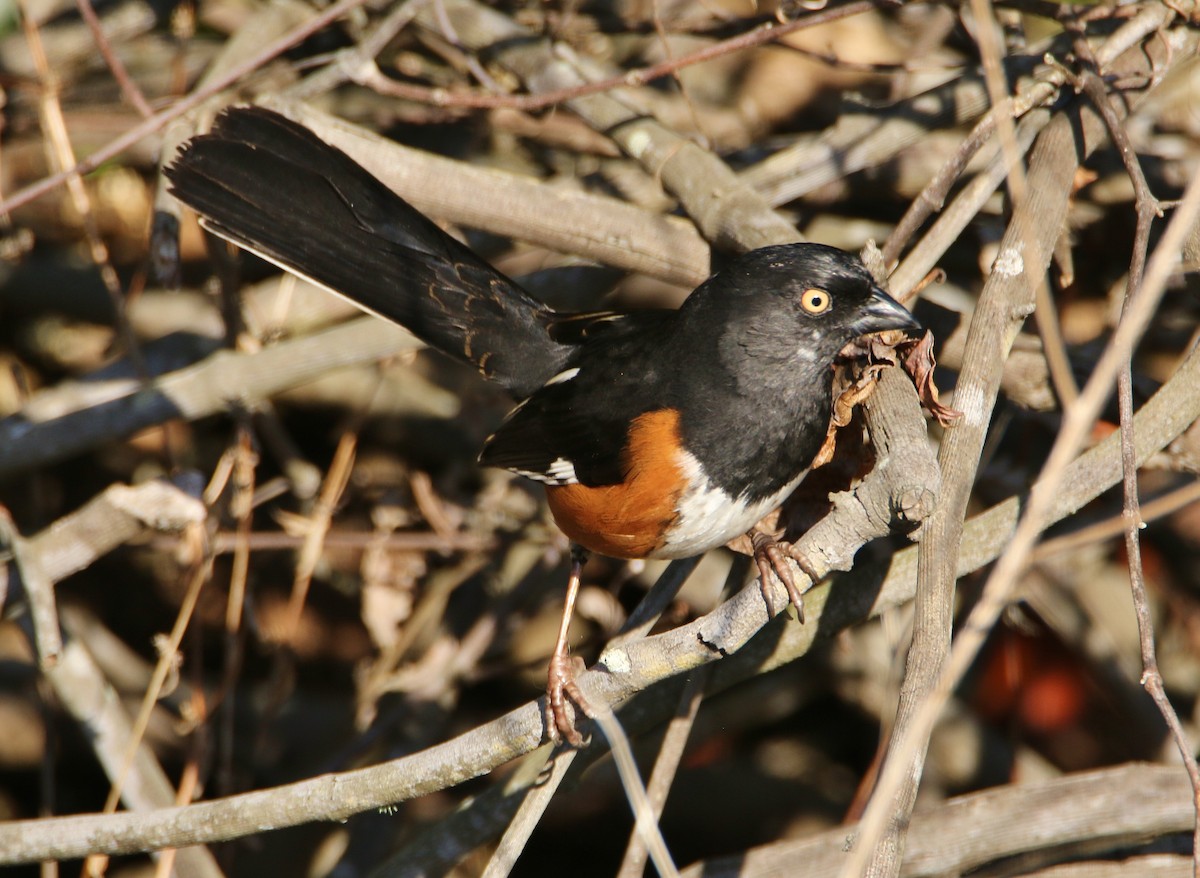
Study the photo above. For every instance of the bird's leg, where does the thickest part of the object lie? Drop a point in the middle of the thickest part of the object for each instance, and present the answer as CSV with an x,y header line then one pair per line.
x,y
561,685
771,556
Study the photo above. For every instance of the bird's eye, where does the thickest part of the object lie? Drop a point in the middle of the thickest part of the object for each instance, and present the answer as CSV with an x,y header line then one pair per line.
x,y
815,301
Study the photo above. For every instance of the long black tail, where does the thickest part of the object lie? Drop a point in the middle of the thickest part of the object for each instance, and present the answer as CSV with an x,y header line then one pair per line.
x,y
274,188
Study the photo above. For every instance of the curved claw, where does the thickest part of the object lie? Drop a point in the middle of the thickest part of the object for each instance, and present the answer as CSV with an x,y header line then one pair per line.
x,y
561,687
561,690
771,556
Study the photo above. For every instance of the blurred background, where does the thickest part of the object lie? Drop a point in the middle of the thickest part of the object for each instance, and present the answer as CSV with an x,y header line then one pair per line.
x,y
330,581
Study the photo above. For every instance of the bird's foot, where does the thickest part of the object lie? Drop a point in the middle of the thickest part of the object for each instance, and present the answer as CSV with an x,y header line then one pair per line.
x,y
561,688
771,556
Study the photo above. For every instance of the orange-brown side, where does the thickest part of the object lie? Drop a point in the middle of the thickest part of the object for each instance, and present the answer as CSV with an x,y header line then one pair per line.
x,y
628,520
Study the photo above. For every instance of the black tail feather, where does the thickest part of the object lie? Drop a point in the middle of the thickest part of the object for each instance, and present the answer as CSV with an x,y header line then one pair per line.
x,y
274,188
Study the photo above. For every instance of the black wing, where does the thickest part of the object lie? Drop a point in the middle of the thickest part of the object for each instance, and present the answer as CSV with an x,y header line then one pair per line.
x,y
575,427
273,187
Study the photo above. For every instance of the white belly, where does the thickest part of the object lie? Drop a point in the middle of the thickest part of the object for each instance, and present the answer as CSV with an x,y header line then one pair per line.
x,y
709,517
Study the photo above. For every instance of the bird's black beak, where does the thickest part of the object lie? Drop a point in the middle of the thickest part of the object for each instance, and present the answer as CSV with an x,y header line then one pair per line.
x,y
883,312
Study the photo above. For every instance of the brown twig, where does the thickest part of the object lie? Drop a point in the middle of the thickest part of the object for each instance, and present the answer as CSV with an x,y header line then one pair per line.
x,y
933,196
539,788
204,388
446,28
962,211
950,224
184,105
233,482
590,225
241,509
38,586
1147,208
347,63
981,831
999,586
316,526
1040,92
1151,510
665,44
670,754
1058,362
645,815
223,542
55,126
372,77
199,574
881,854
727,212
129,88
91,700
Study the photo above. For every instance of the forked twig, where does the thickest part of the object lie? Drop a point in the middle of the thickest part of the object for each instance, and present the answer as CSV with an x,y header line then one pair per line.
x,y
1147,207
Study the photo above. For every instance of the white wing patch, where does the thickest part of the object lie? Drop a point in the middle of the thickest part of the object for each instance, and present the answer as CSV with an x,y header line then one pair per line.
x,y
563,377
560,472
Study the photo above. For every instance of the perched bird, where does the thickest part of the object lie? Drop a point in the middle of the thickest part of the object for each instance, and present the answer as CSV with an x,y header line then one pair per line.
x,y
657,433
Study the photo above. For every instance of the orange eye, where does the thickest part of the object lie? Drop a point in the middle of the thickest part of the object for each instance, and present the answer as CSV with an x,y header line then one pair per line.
x,y
815,301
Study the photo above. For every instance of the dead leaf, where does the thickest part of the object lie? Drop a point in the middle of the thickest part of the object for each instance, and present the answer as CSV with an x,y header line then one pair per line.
x,y
919,362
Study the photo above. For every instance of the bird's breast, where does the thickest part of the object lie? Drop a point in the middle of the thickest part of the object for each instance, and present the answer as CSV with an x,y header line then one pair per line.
x,y
629,519
706,517
666,507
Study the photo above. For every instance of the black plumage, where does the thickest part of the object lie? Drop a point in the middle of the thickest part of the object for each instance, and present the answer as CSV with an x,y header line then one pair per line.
x,y
272,187
740,349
